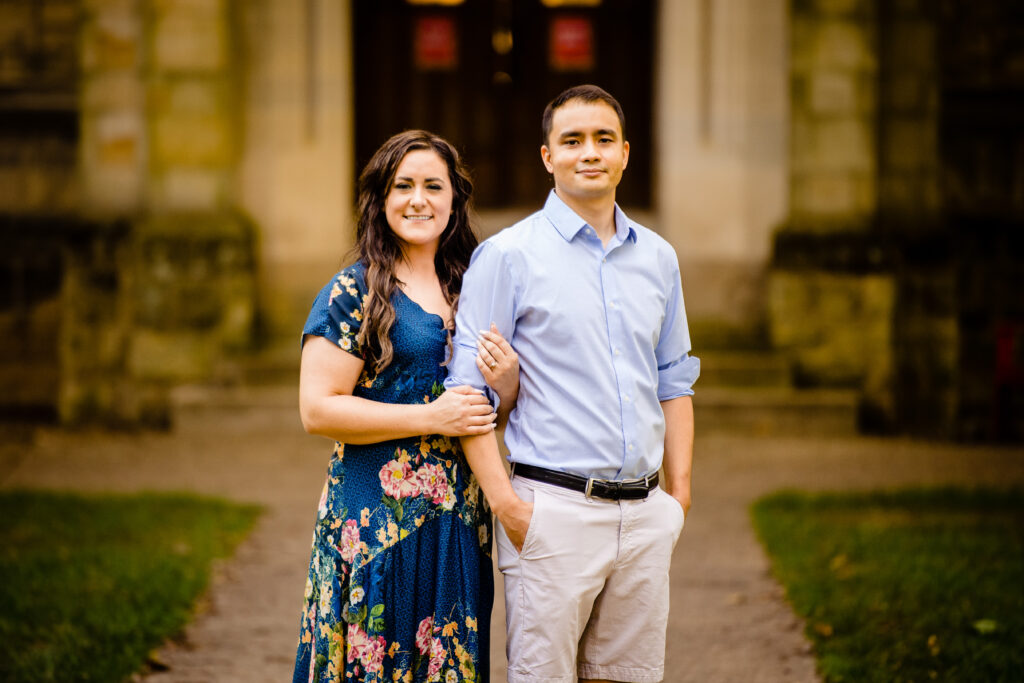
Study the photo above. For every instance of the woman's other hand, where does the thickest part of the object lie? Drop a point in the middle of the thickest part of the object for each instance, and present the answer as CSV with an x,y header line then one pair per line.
x,y
499,364
463,411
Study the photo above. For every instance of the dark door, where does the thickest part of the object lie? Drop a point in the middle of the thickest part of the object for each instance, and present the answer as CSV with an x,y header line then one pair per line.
x,y
480,72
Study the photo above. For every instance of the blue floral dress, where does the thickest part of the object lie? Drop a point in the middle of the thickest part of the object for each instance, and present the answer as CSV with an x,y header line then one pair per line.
x,y
400,584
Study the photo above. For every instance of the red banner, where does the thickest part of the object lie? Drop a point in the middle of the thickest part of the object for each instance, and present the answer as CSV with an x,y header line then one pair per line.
x,y
435,44
571,44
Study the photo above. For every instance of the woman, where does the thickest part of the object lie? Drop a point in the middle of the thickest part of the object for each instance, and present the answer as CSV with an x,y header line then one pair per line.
x,y
400,584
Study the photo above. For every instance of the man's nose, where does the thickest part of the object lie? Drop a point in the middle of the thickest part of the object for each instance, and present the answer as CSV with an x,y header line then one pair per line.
x,y
590,149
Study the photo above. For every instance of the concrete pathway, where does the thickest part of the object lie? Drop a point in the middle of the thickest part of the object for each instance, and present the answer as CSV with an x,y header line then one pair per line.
x,y
729,622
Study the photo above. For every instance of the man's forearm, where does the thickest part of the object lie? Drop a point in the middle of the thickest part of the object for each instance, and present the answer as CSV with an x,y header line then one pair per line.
x,y
485,460
678,460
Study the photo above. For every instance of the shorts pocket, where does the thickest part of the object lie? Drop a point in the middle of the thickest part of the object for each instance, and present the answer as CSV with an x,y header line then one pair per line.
x,y
675,504
540,503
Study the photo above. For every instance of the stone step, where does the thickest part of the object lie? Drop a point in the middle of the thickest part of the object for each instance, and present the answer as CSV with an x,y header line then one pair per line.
x,y
744,369
776,411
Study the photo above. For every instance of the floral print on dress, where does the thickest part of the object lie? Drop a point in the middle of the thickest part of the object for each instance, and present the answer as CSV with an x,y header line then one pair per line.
x,y
399,585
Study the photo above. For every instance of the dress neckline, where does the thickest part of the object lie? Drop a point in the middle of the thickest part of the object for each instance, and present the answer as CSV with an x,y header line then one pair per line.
x,y
421,309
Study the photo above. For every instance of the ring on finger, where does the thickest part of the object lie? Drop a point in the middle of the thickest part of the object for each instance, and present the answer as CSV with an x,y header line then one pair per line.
x,y
493,364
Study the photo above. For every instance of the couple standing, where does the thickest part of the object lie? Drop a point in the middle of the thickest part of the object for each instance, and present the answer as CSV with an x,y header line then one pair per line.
x,y
596,395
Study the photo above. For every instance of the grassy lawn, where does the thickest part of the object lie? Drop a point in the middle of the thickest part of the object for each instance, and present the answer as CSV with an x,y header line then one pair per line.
x,y
89,585
915,585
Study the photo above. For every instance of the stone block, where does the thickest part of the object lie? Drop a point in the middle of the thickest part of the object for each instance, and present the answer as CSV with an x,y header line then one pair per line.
x,y
191,140
63,15
912,45
802,41
910,144
190,35
865,193
837,329
909,91
112,41
118,137
841,7
238,315
833,92
802,140
844,45
189,96
845,144
908,7
831,194
12,17
112,91
789,297
171,356
189,189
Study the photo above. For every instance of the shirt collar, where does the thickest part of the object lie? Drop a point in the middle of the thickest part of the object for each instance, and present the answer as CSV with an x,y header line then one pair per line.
x,y
568,223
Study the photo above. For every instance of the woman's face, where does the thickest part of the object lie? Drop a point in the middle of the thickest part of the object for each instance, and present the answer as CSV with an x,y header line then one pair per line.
x,y
420,200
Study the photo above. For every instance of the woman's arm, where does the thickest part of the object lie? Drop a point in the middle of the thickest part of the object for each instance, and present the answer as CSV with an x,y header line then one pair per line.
x,y
327,377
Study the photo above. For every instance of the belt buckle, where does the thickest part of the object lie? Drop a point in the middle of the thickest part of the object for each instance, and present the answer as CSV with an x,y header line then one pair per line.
x,y
590,485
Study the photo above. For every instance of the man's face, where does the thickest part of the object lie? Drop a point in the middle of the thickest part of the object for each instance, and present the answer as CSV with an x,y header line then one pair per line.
x,y
585,151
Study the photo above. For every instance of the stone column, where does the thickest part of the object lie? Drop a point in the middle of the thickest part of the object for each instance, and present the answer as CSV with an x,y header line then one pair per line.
x,y
720,154
298,164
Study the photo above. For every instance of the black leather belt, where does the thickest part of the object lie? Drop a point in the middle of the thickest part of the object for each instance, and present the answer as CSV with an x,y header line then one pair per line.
x,y
632,489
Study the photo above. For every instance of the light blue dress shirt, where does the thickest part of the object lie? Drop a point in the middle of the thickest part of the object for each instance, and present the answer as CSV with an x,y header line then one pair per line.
x,y
601,335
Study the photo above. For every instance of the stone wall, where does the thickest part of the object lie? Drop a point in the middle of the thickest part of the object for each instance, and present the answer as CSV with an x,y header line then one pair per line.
x,y
38,105
832,299
897,272
131,267
832,292
834,94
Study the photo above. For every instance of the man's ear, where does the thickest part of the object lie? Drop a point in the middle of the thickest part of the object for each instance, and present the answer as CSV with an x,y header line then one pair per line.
x,y
545,156
625,154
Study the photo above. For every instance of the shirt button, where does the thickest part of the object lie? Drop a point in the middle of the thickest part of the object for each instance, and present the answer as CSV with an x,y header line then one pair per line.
x,y
611,304
630,447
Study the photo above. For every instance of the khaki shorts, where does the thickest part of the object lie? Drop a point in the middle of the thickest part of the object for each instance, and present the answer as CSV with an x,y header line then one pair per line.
x,y
588,594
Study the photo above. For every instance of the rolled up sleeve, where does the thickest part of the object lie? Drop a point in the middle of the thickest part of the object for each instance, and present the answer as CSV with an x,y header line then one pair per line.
x,y
677,369
677,379
488,295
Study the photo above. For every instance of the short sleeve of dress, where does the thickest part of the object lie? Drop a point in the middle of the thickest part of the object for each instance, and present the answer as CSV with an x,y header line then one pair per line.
x,y
337,311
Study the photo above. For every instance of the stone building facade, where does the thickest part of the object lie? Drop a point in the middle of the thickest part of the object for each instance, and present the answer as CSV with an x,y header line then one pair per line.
x,y
843,181
130,267
894,271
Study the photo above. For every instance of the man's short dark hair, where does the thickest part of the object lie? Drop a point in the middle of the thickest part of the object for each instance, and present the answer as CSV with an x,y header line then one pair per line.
x,y
582,93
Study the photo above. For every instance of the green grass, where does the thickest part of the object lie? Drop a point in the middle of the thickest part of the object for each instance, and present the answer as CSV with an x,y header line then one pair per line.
x,y
89,585
915,585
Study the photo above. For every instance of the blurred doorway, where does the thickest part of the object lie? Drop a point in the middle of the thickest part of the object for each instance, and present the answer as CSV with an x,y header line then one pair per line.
x,y
479,72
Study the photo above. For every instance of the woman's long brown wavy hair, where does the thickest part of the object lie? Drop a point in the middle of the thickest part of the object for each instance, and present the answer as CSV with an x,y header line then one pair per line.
x,y
379,250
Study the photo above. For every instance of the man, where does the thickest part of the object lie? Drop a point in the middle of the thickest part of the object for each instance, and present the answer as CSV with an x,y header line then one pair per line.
x,y
592,303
